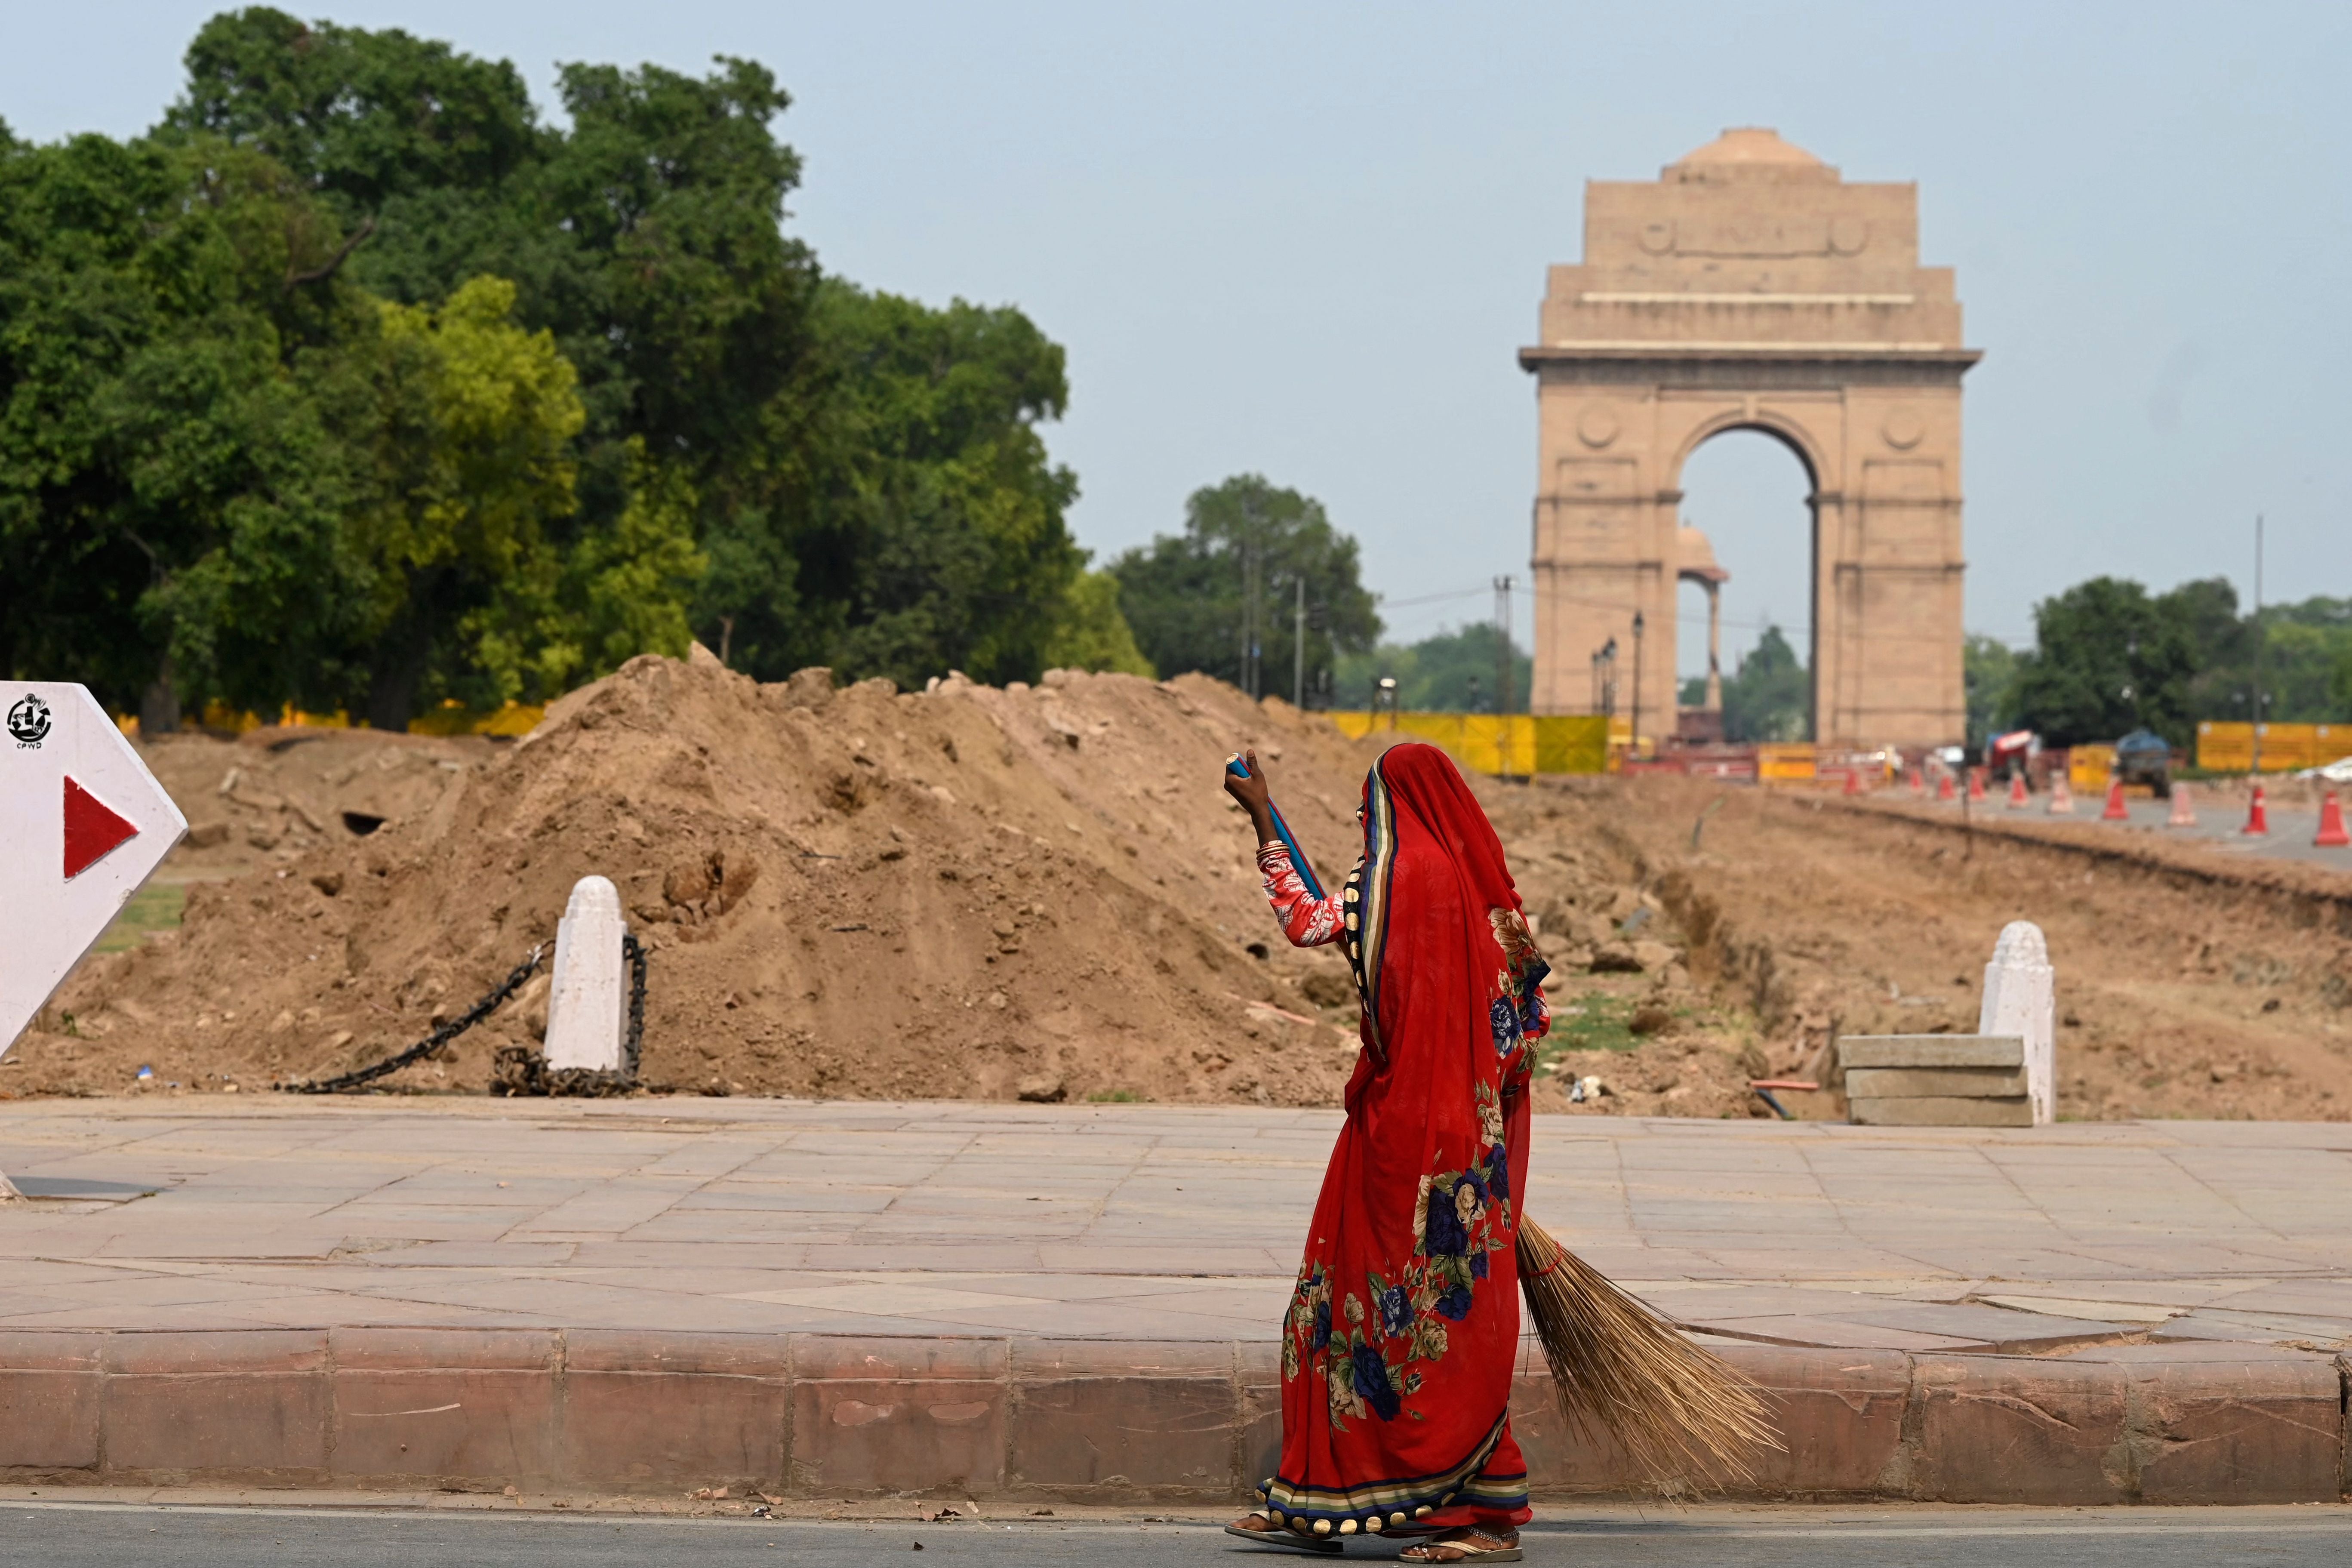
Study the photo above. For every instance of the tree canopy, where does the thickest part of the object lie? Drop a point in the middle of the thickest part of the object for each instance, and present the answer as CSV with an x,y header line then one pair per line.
x,y
1452,672
2110,657
355,383
1187,594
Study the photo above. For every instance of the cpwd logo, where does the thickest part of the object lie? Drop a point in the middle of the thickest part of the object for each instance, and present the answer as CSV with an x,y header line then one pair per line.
x,y
29,721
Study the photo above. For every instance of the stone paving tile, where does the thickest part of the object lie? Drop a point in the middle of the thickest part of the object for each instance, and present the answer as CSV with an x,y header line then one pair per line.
x,y
1801,1330
1165,1222
1970,1321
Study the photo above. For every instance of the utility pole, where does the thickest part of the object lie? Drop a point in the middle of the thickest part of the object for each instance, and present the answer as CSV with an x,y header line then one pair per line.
x,y
1299,648
1634,739
1503,653
1251,567
2259,641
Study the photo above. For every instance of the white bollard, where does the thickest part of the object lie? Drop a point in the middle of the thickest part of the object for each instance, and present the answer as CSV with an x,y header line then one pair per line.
x,y
587,1000
2020,999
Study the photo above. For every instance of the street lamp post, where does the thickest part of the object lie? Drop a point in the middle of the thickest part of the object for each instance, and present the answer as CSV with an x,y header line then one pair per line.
x,y
1633,739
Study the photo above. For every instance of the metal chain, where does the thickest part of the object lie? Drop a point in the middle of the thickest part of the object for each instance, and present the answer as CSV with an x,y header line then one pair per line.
x,y
440,1036
634,1046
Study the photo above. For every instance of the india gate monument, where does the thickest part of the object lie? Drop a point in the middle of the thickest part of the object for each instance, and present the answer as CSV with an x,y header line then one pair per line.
x,y
1750,287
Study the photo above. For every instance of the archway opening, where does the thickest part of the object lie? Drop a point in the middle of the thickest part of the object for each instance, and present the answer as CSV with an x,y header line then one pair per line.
x,y
1750,491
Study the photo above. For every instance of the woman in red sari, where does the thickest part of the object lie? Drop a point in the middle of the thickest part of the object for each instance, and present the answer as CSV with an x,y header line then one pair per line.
x,y
1404,1329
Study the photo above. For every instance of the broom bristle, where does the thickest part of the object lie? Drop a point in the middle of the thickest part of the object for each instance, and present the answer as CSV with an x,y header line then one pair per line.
x,y
1679,1412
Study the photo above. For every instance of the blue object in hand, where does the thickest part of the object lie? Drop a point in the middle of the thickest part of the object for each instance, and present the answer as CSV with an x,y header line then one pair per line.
x,y
1240,770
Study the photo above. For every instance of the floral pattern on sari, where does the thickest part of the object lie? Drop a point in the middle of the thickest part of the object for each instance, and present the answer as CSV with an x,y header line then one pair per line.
x,y
1372,1356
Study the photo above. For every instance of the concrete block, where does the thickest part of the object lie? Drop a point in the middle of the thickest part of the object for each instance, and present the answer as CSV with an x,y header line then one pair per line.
x,y
1840,1416
1940,1110
442,1407
1930,1051
443,1349
2007,1430
1895,1083
847,1355
2254,1432
479,1428
50,1388
261,1427
2019,999
587,1002
1257,1369
645,1411
852,1435
1125,1435
659,1431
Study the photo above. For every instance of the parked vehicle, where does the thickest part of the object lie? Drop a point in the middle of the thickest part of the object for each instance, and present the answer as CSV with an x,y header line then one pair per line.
x,y
2145,757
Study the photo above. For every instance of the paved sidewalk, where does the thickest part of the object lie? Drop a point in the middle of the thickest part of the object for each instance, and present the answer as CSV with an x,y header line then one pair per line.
x,y
1078,1303
1132,1222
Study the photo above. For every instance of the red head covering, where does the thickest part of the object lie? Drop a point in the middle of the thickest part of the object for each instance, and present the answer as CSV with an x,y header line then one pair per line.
x,y
1432,902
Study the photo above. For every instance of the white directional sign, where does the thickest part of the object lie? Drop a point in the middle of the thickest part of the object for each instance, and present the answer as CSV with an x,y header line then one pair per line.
x,y
82,824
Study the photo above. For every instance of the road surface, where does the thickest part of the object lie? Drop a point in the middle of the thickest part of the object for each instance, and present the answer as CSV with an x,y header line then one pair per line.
x,y
48,1534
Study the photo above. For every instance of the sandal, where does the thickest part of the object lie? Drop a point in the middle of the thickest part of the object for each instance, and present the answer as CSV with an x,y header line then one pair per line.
x,y
1465,1544
1259,1528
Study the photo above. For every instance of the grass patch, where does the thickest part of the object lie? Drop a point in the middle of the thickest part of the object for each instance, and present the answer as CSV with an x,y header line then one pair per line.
x,y
1595,1021
153,907
1115,1097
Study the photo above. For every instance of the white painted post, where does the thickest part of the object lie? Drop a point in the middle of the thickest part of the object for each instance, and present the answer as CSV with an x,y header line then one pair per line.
x,y
2020,999
586,1002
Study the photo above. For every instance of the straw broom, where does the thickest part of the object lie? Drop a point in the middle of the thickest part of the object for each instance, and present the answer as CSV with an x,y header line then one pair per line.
x,y
1678,1412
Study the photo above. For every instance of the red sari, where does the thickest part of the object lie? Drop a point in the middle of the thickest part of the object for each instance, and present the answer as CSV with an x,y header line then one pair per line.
x,y
1403,1330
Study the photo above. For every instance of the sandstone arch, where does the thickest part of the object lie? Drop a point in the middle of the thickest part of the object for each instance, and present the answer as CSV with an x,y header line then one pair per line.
x,y
1750,287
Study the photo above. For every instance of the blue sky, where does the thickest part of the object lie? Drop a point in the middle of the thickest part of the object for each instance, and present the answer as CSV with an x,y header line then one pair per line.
x,y
1307,240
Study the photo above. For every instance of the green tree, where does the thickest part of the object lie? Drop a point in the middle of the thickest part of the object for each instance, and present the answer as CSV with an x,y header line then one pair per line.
x,y
171,487
934,536
1770,696
648,236
2108,660
1184,594
476,467
1989,668
1092,635
1452,672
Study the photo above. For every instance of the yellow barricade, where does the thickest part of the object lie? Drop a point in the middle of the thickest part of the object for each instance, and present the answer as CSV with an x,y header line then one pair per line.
x,y
1516,745
2225,747
1790,763
2087,767
454,718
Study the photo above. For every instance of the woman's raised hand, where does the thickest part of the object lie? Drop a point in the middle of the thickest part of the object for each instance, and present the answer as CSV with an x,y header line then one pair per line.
x,y
1250,792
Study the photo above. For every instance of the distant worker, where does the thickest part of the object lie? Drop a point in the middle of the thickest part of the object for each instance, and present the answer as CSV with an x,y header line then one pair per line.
x,y
1403,1330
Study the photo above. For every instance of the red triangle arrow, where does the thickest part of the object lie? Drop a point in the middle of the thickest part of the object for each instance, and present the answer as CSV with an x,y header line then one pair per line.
x,y
92,829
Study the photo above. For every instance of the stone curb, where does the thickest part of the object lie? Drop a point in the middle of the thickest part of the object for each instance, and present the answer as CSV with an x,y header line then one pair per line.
x,y
1086,1421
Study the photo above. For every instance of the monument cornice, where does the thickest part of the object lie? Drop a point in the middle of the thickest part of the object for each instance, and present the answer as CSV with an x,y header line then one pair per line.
x,y
1641,352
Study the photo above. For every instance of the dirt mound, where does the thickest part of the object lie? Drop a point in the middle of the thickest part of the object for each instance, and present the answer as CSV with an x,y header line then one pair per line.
x,y
1041,892
2179,994
274,793
963,892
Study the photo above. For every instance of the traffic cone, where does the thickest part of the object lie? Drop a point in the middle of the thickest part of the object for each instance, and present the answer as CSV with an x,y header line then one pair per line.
x,y
2258,816
2018,799
1854,781
2061,796
2331,824
1918,785
1976,784
2116,811
2183,813
1944,784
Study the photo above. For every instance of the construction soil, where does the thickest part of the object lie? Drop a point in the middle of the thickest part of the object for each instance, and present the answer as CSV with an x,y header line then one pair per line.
x,y
1042,893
